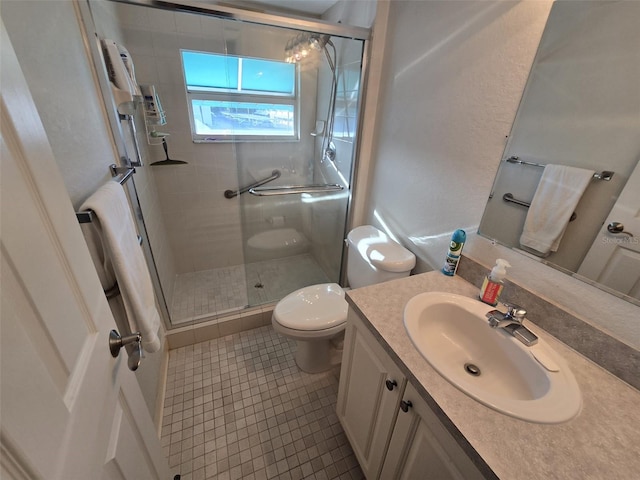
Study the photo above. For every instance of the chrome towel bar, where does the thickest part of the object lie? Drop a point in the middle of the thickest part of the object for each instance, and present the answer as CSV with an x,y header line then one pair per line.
x,y
605,175
230,193
294,189
508,197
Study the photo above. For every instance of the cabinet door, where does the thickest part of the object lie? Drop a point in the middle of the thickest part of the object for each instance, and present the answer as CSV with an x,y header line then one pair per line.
x,y
421,448
367,406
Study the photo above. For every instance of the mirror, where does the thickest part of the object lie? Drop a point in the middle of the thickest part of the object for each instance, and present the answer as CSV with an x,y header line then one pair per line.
x,y
580,108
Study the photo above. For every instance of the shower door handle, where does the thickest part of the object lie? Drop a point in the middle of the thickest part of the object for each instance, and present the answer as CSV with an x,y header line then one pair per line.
x,y
295,189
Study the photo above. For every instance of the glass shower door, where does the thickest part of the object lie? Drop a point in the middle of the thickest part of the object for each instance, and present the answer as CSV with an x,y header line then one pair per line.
x,y
293,226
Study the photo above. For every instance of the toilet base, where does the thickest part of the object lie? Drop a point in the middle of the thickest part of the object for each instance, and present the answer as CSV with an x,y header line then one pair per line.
x,y
318,356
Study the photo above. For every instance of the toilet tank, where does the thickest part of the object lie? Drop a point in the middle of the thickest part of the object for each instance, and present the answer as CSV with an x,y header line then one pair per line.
x,y
373,257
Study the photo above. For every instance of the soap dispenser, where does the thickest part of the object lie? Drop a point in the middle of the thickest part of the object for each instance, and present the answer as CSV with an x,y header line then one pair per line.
x,y
494,282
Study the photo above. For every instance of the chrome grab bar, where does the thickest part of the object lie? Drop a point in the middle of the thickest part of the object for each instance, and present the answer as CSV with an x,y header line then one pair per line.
x,y
508,197
515,159
294,189
230,193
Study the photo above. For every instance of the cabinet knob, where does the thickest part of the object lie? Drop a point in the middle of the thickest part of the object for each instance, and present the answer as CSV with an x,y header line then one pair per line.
x,y
391,384
405,405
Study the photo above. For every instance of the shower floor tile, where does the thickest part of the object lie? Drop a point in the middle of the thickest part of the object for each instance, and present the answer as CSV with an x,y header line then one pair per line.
x,y
239,407
206,293
280,277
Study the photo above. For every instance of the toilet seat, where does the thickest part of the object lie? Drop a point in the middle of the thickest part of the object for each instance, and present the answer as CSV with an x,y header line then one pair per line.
x,y
316,308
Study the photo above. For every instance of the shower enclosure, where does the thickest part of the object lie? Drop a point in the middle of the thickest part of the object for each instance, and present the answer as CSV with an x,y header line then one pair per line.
x,y
264,110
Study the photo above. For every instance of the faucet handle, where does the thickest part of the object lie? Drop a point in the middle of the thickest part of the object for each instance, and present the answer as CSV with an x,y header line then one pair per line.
x,y
515,311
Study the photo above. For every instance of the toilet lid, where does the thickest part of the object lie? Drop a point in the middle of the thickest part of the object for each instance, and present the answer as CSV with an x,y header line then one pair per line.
x,y
380,250
391,257
317,307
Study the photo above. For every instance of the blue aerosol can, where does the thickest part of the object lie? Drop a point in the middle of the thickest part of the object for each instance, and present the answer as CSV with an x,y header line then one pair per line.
x,y
453,255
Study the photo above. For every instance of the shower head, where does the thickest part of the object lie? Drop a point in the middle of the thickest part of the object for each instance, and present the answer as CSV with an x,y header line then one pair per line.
x,y
317,42
299,47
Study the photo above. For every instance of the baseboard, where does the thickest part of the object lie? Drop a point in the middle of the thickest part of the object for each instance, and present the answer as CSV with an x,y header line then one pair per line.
x,y
203,331
162,388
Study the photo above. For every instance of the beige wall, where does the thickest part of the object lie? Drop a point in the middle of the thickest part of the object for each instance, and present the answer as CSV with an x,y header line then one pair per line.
x,y
453,75
51,52
452,79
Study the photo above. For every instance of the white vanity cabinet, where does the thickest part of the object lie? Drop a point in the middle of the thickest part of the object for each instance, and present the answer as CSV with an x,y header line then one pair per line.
x,y
389,442
421,448
369,394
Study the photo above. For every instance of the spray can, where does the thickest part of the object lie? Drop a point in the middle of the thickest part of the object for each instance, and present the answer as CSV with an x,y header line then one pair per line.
x,y
453,255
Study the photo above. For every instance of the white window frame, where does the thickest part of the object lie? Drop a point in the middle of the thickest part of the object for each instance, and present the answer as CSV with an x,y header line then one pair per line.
x,y
239,96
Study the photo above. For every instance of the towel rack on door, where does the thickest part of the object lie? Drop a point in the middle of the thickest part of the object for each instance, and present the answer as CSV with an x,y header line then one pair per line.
x,y
86,216
508,197
293,189
605,175
131,339
125,174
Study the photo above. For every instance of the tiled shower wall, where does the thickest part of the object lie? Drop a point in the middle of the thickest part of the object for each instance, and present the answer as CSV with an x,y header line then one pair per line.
x,y
203,227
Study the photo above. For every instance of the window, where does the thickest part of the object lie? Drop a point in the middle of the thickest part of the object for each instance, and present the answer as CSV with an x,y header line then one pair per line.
x,y
231,97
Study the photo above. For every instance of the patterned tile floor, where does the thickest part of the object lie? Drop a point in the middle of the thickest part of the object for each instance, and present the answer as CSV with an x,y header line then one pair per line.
x,y
205,293
238,407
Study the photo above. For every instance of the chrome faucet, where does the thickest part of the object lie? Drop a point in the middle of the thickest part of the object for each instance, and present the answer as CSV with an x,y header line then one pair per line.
x,y
511,322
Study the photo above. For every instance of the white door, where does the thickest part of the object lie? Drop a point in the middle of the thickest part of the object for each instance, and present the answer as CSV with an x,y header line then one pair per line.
x,y
614,258
69,410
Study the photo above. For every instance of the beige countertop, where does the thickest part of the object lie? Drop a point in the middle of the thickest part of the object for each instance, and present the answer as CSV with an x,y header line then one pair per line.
x,y
602,442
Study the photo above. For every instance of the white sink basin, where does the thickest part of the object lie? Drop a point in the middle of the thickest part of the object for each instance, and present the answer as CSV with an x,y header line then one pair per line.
x,y
453,334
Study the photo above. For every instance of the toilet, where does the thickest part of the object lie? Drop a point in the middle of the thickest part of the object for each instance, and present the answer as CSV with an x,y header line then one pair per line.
x,y
276,243
316,316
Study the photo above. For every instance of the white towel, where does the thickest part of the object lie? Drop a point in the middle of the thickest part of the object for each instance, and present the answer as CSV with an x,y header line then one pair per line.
x,y
98,254
556,197
119,239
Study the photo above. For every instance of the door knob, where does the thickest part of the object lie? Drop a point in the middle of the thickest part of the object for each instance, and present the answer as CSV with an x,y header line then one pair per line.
x,y
116,342
405,405
391,384
617,227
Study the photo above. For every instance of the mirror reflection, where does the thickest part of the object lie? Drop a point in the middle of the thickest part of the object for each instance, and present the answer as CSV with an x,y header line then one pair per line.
x,y
568,189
